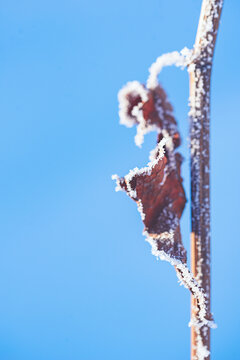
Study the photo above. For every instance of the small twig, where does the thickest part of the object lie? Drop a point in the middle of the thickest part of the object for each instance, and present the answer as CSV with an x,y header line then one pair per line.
x,y
200,78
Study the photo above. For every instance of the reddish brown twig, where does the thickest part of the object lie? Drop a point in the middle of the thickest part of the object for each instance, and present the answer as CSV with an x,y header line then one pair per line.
x,y
157,188
200,78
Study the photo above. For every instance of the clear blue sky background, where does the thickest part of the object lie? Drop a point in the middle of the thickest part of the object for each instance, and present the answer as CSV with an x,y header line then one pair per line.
x,y
77,280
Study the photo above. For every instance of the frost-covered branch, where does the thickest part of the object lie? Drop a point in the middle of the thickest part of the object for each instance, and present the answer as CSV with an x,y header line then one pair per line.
x,y
200,77
179,59
157,188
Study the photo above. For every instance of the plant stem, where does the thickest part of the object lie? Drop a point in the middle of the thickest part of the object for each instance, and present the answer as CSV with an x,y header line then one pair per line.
x,y
200,78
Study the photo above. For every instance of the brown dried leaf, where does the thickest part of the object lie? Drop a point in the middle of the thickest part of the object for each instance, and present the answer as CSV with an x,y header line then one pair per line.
x,y
160,195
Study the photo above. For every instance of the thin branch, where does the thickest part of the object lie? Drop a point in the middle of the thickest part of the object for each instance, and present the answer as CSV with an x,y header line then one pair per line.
x,y
200,78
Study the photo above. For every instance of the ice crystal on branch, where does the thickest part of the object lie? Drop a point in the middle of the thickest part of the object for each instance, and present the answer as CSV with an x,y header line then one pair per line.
x,y
157,188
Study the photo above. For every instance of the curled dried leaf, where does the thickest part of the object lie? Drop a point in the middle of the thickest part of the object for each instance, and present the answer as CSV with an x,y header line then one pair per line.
x,y
160,196
157,188
149,109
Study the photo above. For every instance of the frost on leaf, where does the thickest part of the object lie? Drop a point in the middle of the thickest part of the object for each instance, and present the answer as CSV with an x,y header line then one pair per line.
x,y
149,109
159,193
157,188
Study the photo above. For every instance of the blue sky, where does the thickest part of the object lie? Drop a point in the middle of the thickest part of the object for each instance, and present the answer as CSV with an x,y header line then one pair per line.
x,y
78,281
